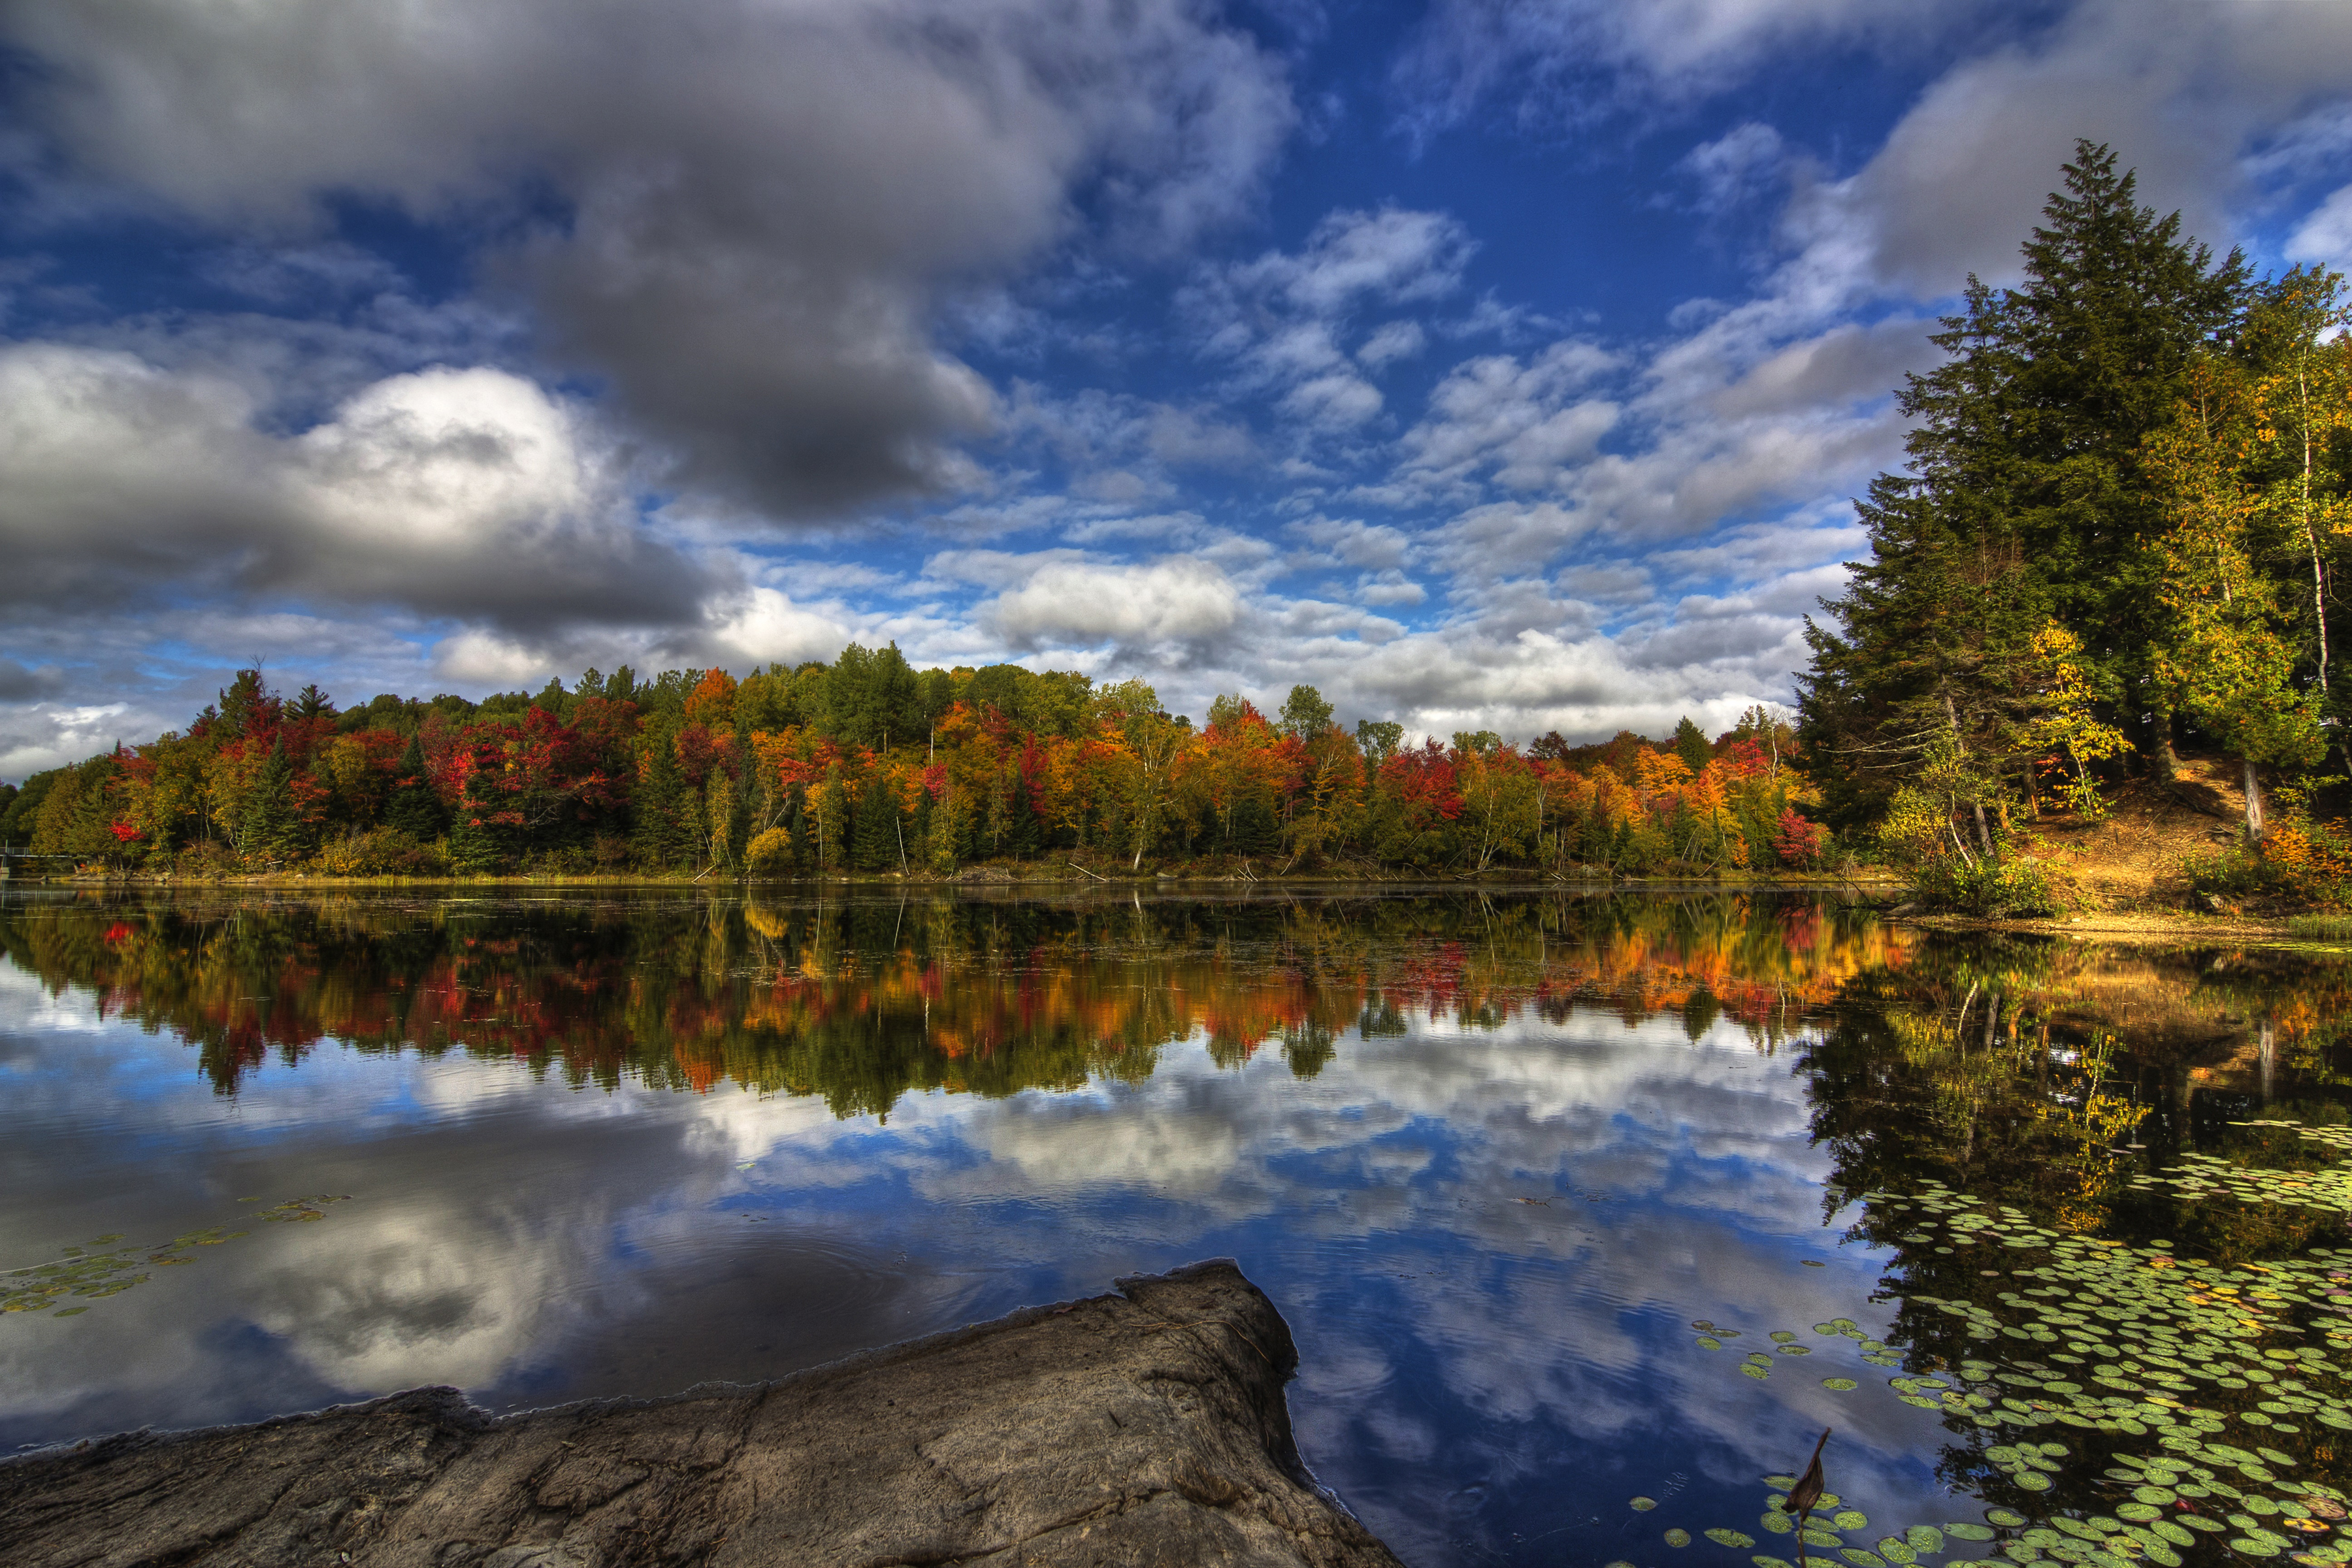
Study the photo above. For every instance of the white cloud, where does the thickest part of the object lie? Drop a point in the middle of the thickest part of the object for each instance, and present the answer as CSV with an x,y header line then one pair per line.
x,y
451,492
762,203
1392,341
1177,600
2325,237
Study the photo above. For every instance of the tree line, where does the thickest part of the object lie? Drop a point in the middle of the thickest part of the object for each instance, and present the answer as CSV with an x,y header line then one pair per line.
x,y
868,764
2128,496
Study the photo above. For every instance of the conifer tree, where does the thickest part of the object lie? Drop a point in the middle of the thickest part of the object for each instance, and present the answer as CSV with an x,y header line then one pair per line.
x,y
2027,497
1023,835
267,828
664,834
413,809
1691,745
876,836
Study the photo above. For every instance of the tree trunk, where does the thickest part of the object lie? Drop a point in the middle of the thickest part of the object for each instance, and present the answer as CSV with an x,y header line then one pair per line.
x,y
2253,802
2167,761
2318,575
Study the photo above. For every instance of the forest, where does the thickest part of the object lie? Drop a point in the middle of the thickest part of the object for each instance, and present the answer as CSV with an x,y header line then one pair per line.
x,y
2128,495
868,764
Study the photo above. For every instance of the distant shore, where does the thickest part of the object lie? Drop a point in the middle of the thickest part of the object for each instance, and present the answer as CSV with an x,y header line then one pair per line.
x,y
1029,874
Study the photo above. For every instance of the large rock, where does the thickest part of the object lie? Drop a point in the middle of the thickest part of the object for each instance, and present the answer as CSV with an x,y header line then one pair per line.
x,y
1146,1427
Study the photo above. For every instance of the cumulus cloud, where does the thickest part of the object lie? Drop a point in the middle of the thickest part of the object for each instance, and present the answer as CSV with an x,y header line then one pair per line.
x,y
449,493
2324,239
759,207
1176,601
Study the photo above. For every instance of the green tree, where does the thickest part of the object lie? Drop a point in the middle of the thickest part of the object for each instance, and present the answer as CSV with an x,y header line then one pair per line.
x,y
664,832
269,829
1304,714
1691,745
2228,654
1379,740
2027,494
876,837
412,808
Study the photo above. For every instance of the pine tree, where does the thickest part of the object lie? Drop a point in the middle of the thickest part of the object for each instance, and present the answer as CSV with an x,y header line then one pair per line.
x,y
1254,830
1024,830
2028,495
267,828
664,834
876,836
1691,745
413,809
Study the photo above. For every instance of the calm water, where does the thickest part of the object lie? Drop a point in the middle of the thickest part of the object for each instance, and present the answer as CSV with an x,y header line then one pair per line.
x,y
1493,1157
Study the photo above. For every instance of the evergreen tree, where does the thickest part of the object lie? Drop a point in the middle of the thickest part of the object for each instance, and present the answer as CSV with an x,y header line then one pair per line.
x,y
1254,830
664,832
2028,495
1691,745
413,807
876,836
267,828
1024,829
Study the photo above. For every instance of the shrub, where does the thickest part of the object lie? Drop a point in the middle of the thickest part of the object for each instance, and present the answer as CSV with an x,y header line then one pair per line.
x,y
1798,842
2304,858
381,852
1990,889
770,854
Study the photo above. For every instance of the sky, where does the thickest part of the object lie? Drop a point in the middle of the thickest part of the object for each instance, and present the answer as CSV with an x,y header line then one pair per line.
x,y
1486,363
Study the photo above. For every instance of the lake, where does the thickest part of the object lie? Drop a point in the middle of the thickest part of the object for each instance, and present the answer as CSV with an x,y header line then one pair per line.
x,y
1575,1202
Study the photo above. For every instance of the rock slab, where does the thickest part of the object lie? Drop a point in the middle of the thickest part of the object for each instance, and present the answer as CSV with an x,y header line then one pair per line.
x,y
1144,1428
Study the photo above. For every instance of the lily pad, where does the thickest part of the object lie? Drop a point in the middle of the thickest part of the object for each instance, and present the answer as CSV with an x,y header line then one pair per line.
x,y
1677,1537
1643,1504
1841,1384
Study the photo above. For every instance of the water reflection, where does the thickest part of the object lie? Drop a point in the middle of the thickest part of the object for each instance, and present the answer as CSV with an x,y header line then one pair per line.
x,y
863,1001
1490,1154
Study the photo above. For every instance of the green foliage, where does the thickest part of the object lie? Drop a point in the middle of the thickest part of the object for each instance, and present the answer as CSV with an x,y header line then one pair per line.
x,y
2028,490
1379,739
2322,928
412,808
664,833
876,839
25,809
268,830
1986,887
1691,744
1304,714
872,699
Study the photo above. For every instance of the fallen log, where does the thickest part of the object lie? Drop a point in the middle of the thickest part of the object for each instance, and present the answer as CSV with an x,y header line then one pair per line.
x,y
1143,1427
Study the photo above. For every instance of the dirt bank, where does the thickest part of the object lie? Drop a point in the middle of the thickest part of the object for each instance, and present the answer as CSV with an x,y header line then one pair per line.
x,y
1140,1429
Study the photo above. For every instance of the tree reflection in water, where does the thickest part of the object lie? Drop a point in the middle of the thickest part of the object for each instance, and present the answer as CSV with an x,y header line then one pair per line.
x,y
864,1000
2045,1078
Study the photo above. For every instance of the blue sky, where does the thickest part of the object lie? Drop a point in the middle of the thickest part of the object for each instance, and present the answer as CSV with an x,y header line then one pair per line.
x,y
1487,364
